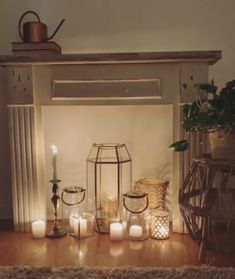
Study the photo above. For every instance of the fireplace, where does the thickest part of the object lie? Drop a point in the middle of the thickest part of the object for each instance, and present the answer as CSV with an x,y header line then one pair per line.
x,y
75,100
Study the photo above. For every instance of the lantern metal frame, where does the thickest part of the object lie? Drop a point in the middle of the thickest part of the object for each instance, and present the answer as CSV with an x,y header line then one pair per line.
x,y
119,161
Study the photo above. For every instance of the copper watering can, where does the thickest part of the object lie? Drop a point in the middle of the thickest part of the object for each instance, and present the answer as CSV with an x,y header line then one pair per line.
x,y
35,31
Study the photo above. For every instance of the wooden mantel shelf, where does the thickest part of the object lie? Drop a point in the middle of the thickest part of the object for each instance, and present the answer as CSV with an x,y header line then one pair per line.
x,y
210,57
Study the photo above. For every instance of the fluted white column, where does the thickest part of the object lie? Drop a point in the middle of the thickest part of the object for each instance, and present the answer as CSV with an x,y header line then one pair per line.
x,y
25,188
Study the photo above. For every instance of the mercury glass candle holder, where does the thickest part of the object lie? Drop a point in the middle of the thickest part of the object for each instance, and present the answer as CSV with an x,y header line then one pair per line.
x,y
159,228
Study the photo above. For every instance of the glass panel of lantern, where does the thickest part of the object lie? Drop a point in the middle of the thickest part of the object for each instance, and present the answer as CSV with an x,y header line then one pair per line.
x,y
135,215
80,223
108,176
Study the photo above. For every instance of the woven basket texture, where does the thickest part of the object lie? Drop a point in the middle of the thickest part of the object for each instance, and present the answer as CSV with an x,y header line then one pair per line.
x,y
156,190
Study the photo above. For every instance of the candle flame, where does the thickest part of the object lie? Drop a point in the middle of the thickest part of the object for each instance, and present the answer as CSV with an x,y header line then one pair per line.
x,y
54,149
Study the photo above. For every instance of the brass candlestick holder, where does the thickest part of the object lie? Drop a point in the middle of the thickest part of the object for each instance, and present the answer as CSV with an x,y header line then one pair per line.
x,y
57,231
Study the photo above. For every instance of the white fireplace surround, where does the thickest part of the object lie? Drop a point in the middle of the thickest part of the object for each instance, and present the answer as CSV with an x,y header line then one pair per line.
x,y
36,86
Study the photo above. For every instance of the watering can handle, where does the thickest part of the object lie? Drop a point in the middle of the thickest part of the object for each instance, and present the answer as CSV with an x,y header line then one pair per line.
x,y
20,21
56,30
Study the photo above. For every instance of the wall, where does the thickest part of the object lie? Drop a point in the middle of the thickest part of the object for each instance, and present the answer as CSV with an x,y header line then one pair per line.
x,y
129,26
5,181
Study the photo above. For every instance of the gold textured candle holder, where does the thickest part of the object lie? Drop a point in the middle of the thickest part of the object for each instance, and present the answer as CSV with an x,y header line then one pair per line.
x,y
156,190
159,228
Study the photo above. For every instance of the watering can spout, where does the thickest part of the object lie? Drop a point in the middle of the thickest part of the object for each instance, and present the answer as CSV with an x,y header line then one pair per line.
x,y
56,30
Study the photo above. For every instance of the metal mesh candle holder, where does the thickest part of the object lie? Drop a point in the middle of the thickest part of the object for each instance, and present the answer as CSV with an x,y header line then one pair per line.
x,y
159,228
108,176
80,223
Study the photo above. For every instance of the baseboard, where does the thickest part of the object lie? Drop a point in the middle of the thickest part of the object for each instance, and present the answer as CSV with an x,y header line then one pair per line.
x,y
6,213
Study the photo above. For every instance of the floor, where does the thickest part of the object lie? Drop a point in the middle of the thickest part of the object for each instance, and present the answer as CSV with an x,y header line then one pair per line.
x,y
178,250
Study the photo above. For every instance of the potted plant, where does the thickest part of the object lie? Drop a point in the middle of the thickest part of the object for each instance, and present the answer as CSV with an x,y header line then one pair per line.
x,y
212,112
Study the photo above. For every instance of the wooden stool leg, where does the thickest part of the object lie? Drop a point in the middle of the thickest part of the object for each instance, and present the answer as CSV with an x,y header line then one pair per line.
x,y
203,243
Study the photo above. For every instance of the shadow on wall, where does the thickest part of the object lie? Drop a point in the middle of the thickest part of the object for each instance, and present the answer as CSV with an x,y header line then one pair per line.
x,y
5,174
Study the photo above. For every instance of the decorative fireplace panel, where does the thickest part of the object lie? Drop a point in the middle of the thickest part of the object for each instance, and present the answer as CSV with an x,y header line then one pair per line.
x,y
25,118
106,89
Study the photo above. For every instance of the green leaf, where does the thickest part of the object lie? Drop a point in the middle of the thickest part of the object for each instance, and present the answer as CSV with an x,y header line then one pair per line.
x,y
180,145
210,88
230,84
193,110
190,124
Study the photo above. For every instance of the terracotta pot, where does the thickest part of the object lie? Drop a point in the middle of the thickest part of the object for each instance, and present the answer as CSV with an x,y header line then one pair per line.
x,y
222,145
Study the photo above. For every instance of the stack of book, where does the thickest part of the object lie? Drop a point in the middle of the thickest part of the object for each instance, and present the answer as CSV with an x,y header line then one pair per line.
x,y
29,49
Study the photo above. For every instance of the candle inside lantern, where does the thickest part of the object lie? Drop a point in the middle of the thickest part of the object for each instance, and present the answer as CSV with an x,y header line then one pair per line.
x,y
116,231
54,158
110,207
80,227
136,231
38,229
163,231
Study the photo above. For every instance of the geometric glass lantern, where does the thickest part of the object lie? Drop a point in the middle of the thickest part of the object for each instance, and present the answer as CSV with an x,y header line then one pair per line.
x,y
109,174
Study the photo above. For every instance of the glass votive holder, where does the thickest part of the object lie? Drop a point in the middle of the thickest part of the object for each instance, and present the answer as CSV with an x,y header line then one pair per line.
x,y
135,216
83,225
38,228
159,228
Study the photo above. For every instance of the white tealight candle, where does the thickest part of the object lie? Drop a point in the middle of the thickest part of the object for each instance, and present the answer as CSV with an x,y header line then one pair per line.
x,y
116,231
38,229
136,231
80,227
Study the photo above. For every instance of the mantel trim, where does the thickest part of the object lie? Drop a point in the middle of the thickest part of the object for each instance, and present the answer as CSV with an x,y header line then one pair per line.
x,y
211,57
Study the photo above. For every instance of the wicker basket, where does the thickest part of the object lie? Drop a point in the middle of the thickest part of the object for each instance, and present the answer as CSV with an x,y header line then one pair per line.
x,y
156,190
222,146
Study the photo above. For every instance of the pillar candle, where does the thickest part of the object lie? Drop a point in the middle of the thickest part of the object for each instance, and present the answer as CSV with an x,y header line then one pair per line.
x,y
110,207
116,231
80,225
38,229
54,158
